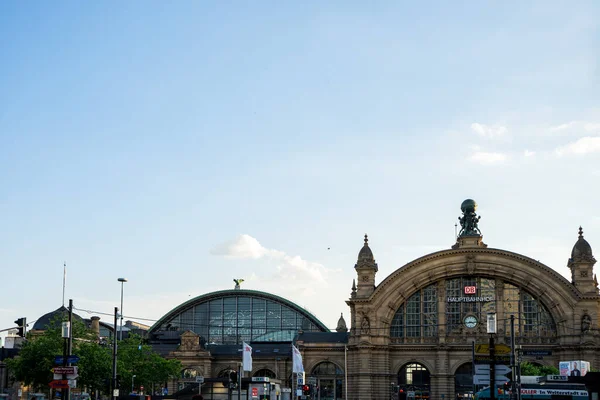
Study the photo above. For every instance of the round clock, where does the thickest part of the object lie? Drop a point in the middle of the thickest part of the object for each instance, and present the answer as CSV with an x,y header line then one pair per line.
x,y
470,321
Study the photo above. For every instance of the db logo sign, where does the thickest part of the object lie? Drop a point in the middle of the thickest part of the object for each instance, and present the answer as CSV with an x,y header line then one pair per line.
x,y
470,289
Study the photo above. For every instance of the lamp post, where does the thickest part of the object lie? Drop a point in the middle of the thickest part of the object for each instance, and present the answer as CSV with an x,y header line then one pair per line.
x,y
132,378
122,280
491,329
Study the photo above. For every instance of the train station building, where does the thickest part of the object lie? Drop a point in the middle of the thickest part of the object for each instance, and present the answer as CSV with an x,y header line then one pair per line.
x,y
415,329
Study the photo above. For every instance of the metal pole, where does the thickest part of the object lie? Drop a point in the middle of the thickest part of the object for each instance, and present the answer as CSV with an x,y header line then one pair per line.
x,y
240,372
472,366
121,328
70,342
346,372
114,360
513,369
492,368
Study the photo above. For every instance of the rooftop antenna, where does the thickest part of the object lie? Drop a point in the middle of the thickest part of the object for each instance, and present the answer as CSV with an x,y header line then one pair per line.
x,y
455,231
64,280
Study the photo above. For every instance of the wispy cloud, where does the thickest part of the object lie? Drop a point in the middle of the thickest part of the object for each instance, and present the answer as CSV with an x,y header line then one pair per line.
x,y
288,267
582,146
488,131
586,126
488,158
528,153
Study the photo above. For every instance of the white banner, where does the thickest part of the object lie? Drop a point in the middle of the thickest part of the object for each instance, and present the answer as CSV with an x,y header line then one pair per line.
x,y
247,357
296,360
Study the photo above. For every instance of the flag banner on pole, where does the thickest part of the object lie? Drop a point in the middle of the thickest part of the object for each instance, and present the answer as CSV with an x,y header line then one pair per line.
x,y
296,360
247,357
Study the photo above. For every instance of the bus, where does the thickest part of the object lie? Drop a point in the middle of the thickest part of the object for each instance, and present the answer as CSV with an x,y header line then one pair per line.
x,y
541,391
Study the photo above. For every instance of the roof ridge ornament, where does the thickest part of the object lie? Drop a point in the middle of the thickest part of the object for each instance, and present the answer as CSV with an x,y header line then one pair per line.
x,y
469,220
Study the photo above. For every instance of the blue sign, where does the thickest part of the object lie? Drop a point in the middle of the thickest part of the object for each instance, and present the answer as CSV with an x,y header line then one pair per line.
x,y
72,359
59,360
537,352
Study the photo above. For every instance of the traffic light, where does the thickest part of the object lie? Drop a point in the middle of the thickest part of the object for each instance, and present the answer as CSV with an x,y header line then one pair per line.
x,y
21,326
506,387
305,390
402,394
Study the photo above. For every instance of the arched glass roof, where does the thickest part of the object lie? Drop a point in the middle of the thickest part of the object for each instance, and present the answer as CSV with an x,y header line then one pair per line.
x,y
234,316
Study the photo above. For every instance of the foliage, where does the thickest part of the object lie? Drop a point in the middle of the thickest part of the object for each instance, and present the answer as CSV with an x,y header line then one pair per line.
x,y
137,358
531,369
34,364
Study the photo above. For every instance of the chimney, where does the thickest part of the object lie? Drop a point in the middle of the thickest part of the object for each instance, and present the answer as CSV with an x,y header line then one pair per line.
x,y
96,325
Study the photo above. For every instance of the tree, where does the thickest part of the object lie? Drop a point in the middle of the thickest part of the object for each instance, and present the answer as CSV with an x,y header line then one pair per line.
x,y
33,366
137,358
531,369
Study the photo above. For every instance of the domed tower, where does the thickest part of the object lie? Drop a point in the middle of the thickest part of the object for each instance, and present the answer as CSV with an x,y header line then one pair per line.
x,y
366,268
341,325
581,265
469,235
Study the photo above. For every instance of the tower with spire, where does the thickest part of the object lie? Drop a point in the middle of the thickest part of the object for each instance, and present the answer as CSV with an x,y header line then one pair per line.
x,y
366,268
581,265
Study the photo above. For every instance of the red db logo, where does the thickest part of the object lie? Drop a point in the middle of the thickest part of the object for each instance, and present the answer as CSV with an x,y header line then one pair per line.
x,y
470,289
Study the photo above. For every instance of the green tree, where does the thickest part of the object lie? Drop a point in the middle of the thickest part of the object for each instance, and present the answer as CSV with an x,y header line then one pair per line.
x,y
33,366
137,358
531,369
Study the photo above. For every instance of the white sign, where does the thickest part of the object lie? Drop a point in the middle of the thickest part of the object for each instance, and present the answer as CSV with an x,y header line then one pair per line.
x,y
116,392
485,379
199,379
72,383
556,392
491,323
484,299
484,369
554,378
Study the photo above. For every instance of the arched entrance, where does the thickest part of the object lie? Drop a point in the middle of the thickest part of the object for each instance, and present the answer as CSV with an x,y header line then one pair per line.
x,y
463,381
329,381
415,380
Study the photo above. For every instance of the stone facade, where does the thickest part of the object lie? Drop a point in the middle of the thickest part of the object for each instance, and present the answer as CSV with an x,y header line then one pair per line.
x,y
370,357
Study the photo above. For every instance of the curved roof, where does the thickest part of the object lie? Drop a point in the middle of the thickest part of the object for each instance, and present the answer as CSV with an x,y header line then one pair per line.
x,y
237,293
60,314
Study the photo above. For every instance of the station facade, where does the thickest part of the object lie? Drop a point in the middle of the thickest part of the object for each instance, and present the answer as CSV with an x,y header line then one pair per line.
x,y
414,330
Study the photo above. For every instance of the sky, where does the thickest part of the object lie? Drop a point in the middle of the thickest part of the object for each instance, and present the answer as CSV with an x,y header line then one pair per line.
x,y
184,144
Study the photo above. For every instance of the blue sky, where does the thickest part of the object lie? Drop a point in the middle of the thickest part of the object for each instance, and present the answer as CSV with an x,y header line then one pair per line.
x,y
184,144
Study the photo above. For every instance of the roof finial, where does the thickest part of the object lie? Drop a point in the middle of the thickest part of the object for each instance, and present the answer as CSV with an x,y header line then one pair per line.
x,y
580,232
366,240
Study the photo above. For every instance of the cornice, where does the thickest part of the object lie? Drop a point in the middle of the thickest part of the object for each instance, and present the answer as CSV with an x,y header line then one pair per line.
x,y
391,279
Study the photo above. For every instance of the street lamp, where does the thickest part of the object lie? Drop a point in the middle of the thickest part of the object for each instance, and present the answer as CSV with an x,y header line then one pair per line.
x,y
132,378
122,280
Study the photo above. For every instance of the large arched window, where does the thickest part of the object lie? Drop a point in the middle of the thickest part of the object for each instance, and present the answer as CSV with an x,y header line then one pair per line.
x,y
329,381
467,301
236,316
415,377
418,316
463,380
265,372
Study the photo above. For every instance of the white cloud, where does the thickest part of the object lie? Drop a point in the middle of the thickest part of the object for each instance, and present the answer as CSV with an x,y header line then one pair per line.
x,y
487,158
244,246
591,127
528,153
289,268
563,127
582,146
488,131
577,125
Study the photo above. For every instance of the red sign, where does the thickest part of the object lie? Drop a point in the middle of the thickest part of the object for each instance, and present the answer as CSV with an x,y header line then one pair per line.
x,y
65,370
254,392
62,384
470,289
